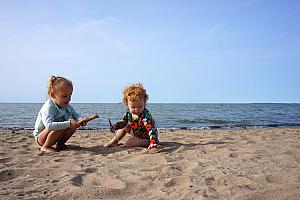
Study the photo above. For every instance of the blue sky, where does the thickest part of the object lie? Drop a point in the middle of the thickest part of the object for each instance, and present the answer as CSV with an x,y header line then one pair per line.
x,y
182,51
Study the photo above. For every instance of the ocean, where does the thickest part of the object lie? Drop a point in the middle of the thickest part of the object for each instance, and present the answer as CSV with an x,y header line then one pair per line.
x,y
169,115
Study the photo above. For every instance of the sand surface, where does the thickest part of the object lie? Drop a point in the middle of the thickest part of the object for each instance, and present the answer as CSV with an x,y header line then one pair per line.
x,y
191,164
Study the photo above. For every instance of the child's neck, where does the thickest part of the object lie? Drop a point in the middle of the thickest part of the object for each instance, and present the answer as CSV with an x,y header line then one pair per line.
x,y
134,116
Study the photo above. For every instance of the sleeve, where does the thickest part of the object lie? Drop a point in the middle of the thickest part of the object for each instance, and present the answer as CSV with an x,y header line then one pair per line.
x,y
149,124
48,120
123,123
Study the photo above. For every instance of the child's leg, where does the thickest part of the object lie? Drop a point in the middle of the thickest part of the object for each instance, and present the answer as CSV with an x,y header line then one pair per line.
x,y
49,138
43,137
136,142
66,136
119,135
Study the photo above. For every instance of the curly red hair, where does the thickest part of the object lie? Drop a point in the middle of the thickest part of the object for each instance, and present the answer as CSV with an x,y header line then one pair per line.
x,y
134,92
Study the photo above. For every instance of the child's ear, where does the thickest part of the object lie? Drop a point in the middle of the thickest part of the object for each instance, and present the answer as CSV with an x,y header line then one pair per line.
x,y
51,94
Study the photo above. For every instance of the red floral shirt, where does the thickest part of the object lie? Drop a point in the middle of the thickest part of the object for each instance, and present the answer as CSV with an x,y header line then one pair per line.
x,y
143,126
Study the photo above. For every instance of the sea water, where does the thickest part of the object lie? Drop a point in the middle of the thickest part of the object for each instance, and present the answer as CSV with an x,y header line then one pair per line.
x,y
168,115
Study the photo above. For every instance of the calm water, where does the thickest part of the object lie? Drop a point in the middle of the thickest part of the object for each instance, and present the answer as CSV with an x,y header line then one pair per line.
x,y
182,116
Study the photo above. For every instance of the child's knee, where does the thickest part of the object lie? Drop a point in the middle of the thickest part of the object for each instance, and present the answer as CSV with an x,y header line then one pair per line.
x,y
122,131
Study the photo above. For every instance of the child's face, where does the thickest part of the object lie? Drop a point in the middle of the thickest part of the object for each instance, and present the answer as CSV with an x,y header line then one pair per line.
x,y
63,96
136,107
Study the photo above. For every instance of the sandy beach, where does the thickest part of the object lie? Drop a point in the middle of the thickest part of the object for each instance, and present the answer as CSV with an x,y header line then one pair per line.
x,y
191,164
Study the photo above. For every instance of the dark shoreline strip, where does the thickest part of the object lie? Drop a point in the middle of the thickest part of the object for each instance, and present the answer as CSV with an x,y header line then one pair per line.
x,y
236,126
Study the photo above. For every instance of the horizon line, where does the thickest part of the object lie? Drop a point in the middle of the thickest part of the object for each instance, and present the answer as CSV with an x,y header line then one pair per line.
x,y
161,102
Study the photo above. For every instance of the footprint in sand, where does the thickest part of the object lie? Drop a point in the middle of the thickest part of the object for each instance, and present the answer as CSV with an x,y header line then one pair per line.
x,y
187,166
171,182
5,159
48,172
58,159
209,148
282,178
297,158
251,142
77,180
105,182
233,155
91,170
7,175
178,168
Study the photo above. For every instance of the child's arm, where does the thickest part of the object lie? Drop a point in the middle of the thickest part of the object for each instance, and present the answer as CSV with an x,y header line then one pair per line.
x,y
118,125
153,138
152,131
49,123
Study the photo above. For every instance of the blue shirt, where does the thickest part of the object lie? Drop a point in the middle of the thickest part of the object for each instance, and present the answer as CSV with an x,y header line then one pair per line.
x,y
52,117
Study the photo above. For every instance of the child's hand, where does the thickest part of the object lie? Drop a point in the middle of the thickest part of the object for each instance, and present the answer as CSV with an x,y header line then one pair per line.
x,y
74,124
82,123
153,146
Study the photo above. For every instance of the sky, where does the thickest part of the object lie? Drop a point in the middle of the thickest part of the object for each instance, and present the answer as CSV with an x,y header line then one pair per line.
x,y
182,51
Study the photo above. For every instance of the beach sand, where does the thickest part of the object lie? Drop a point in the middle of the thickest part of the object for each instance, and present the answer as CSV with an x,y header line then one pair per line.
x,y
191,164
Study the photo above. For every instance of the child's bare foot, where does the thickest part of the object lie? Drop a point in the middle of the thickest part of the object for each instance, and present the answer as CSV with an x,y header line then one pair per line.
x,y
112,143
48,149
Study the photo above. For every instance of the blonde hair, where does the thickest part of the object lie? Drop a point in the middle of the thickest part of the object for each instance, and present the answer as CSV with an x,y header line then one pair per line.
x,y
55,83
134,92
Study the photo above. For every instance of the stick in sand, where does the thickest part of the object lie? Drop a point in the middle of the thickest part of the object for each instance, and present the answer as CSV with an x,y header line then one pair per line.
x,y
89,118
